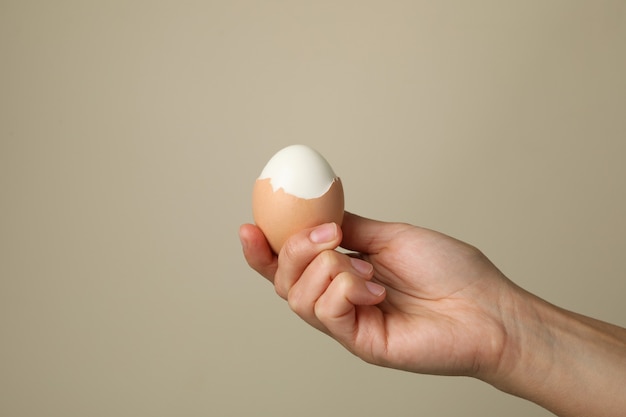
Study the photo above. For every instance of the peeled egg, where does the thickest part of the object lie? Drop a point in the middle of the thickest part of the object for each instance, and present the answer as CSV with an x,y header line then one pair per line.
x,y
296,190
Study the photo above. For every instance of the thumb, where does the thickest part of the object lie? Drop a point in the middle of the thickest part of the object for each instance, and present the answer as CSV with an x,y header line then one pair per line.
x,y
365,235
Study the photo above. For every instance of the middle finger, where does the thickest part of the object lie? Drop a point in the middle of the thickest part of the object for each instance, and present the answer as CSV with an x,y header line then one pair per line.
x,y
317,277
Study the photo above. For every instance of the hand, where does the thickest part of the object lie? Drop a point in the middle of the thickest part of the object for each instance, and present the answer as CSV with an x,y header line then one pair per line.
x,y
421,301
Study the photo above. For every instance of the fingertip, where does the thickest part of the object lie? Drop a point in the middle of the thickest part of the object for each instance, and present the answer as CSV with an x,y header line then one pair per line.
x,y
301,247
363,268
375,289
325,233
244,235
257,251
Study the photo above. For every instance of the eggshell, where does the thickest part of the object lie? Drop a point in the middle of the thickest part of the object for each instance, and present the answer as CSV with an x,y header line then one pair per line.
x,y
279,214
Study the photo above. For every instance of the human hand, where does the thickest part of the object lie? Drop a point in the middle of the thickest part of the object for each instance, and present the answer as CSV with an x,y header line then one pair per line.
x,y
422,301
418,300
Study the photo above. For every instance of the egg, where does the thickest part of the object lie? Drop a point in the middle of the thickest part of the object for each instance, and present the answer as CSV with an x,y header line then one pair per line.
x,y
296,190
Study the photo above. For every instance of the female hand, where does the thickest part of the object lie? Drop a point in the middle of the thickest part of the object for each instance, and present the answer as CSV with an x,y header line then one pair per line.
x,y
421,301
411,299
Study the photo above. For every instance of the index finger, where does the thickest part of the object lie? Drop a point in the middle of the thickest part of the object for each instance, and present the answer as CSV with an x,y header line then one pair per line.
x,y
299,250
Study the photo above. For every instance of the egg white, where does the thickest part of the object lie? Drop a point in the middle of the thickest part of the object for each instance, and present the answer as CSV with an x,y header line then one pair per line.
x,y
300,171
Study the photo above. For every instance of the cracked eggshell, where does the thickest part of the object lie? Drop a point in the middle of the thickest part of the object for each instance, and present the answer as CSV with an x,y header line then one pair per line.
x,y
296,190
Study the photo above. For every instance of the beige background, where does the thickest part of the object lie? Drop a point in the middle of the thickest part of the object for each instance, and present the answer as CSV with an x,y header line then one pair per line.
x,y
131,134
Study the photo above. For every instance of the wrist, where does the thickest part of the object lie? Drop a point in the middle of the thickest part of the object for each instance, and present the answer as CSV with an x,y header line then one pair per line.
x,y
570,364
526,356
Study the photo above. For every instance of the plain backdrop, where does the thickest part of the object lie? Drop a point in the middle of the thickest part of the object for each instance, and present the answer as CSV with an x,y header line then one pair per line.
x,y
131,134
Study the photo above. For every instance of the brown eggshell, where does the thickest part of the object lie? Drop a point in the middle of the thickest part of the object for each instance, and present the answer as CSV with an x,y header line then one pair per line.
x,y
279,215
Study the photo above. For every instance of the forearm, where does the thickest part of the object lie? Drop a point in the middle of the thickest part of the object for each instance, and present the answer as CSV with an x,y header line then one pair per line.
x,y
570,364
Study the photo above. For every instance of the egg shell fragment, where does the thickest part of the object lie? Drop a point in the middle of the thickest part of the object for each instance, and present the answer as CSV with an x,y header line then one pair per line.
x,y
279,214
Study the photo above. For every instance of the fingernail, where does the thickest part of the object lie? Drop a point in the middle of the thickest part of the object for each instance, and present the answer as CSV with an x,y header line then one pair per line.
x,y
361,266
374,288
324,233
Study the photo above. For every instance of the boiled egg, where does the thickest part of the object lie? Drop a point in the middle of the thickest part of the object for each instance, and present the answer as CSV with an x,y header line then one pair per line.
x,y
296,190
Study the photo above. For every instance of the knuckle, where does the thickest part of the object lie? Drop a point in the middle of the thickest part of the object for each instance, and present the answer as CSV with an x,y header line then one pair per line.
x,y
278,287
280,292
333,263
294,299
321,311
344,281
325,307
291,250
329,260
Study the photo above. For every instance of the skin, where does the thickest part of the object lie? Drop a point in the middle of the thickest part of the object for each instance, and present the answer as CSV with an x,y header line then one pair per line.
x,y
414,299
